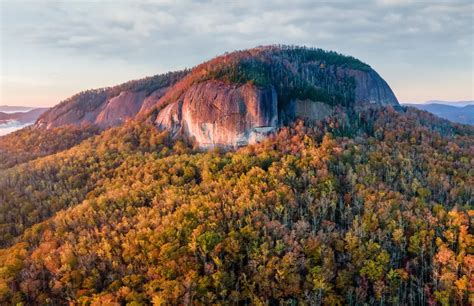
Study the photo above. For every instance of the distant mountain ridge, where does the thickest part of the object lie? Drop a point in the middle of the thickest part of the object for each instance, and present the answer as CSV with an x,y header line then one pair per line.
x,y
22,117
13,118
460,112
452,103
14,109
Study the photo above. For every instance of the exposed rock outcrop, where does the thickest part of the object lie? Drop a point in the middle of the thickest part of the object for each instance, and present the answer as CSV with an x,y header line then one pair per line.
x,y
103,112
106,107
234,99
370,87
217,114
224,112
116,110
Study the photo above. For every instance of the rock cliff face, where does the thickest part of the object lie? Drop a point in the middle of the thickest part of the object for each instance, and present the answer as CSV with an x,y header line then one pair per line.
x,y
116,110
96,108
111,106
370,87
234,99
219,114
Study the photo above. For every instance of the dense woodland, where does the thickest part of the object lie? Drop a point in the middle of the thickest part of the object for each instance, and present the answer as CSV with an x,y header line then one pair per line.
x,y
30,143
373,207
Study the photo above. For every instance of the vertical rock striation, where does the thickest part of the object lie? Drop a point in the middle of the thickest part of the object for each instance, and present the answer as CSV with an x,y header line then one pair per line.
x,y
217,114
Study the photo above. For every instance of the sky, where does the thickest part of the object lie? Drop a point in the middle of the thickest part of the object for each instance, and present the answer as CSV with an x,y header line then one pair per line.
x,y
50,50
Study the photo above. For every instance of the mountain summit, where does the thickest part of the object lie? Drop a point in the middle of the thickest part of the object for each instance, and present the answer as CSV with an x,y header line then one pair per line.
x,y
234,99
368,206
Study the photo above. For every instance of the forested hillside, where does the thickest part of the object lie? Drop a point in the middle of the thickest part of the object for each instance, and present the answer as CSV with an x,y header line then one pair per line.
x,y
30,143
373,206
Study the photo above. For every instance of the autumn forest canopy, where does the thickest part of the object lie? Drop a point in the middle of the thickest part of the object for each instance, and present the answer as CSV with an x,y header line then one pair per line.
x,y
366,207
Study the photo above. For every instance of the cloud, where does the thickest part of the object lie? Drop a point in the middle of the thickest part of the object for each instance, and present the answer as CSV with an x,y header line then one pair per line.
x,y
141,27
394,2
180,34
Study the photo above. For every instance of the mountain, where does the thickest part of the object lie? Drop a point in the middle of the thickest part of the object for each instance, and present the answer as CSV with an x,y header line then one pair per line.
x,y
14,109
22,117
344,202
11,121
234,99
452,103
461,114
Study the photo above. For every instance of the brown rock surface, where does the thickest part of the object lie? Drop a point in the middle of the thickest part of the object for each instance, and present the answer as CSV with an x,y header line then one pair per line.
x,y
120,108
370,87
219,114
110,106
100,111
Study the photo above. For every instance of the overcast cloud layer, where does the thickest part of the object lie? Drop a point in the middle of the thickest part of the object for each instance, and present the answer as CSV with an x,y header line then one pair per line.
x,y
52,49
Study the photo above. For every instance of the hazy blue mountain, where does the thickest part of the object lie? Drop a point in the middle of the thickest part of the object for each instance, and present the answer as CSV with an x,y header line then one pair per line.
x,y
14,109
452,103
460,112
